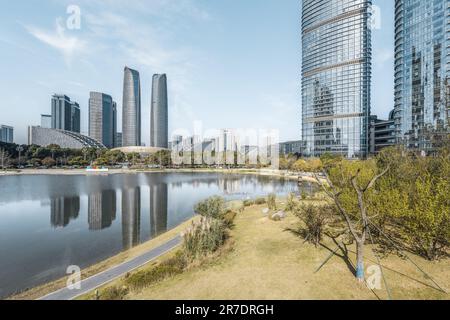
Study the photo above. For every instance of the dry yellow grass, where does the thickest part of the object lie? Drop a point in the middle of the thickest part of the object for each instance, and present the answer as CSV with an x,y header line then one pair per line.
x,y
269,262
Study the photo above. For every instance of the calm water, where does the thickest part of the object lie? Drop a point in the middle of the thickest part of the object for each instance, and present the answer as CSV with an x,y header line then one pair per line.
x,y
48,223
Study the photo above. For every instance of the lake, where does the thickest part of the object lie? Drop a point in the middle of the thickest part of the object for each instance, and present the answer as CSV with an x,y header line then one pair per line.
x,y
48,222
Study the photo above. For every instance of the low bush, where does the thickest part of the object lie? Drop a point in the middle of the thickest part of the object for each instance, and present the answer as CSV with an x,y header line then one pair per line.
x,y
260,201
229,217
204,237
291,202
272,201
315,219
248,203
113,293
213,207
166,269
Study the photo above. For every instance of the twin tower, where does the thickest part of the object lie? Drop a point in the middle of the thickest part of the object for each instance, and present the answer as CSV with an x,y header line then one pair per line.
x,y
131,119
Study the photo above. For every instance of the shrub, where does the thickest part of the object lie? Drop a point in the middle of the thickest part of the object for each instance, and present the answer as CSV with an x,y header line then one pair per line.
x,y
166,269
213,207
114,293
315,219
260,201
204,237
229,217
291,203
272,201
248,203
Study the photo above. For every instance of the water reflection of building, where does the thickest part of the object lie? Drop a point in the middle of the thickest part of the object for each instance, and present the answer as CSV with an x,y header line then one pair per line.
x,y
229,186
63,210
158,209
101,209
131,217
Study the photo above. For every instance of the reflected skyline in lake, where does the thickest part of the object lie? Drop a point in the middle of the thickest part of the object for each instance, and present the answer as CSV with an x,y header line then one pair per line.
x,y
48,223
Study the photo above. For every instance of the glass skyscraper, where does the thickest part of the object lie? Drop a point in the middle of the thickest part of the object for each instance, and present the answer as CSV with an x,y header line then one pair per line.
x,y
422,69
336,75
131,119
65,114
102,117
159,127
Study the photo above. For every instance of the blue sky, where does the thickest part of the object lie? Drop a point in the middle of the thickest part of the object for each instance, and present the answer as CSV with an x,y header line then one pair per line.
x,y
230,64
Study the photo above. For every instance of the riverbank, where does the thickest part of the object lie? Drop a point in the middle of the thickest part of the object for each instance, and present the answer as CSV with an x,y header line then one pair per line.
x,y
43,290
82,172
270,261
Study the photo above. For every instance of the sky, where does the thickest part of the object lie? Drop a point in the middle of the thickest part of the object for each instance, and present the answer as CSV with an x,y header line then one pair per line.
x,y
230,63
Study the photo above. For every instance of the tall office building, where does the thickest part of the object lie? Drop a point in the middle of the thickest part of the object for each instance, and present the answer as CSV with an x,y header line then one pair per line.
x,y
102,117
114,108
65,114
159,125
6,134
422,69
336,75
131,120
46,121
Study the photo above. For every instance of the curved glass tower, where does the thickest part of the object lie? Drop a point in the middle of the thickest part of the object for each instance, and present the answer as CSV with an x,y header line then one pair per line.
x,y
422,69
131,119
336,76
159,131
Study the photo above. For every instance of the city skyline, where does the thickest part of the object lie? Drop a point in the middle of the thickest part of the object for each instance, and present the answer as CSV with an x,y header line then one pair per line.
x,y
194,93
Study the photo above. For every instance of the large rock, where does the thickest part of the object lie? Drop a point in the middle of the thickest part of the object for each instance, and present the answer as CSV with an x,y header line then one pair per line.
x,y
266,211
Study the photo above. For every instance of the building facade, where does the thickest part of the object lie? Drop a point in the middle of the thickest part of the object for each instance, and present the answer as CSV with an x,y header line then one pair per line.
x,y
159,122
131,119
102,117
336,76
65,139
46,121
66,114
422,69
381,133
292,147
6,134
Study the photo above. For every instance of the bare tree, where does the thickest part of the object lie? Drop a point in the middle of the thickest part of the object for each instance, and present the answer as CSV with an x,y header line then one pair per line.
x,y
4,158
358,229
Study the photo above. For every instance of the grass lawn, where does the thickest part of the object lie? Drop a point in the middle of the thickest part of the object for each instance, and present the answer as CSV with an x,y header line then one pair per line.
x,y
270,262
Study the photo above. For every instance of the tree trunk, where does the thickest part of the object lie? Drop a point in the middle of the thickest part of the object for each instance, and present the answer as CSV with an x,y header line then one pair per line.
x,y
360,261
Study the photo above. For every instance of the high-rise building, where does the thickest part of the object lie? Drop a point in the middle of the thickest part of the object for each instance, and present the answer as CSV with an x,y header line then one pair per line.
x,y
119,140
114,108
102,117
6,134
422,69
46,121
131,119
336,75
65,114
159,125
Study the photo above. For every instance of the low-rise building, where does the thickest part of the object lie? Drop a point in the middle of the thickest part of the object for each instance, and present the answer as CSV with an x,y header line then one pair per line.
x,y
65,139
381,133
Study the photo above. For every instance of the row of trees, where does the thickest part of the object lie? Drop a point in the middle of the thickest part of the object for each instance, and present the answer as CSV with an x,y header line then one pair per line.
x,y
17,156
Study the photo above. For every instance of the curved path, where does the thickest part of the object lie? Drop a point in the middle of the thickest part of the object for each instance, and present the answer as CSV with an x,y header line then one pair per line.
x,y
104,277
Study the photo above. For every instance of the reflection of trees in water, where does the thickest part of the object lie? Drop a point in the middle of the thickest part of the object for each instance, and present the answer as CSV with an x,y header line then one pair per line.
x,y
131,217
101,209
63,210
158,209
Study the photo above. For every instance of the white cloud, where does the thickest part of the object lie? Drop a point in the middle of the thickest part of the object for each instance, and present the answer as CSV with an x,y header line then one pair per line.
x,y
68,46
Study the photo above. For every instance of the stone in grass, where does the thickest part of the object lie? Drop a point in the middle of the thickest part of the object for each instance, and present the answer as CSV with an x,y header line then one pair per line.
x,y
280,215
266,211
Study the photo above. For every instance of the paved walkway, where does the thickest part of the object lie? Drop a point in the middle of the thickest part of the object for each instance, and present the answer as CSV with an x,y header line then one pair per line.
x,y
104,277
